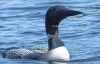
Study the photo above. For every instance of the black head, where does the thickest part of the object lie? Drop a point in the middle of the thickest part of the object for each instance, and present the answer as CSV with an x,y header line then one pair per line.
x,y
53,17
57,13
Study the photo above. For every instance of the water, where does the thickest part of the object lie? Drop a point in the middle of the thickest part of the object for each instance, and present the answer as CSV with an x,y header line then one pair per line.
x,y
22,25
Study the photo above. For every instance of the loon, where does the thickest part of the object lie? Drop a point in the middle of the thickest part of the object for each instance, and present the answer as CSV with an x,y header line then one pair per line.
x,y
56,49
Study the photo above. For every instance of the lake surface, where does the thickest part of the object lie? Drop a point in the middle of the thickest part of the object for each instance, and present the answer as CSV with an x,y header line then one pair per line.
x,y
22,25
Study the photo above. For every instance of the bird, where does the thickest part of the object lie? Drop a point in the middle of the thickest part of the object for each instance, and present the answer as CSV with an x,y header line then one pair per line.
x,y
56,50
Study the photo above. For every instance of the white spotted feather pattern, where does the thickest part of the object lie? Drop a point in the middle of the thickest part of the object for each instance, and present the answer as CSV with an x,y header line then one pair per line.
x,y
32,53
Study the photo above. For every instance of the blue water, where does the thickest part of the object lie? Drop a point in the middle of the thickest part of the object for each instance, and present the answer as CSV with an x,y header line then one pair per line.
x,y
22,25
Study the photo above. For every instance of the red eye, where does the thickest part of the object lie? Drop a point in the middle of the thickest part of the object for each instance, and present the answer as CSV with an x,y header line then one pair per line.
x,y
57,10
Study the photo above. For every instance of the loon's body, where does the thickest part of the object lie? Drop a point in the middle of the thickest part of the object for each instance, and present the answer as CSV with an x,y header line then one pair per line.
x,y
17,53
56,49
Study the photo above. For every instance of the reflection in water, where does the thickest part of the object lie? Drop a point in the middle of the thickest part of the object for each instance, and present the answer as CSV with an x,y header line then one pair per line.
x,y
56,62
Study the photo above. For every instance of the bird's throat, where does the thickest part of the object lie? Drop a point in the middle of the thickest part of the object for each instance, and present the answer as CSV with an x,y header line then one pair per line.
x,y
55,41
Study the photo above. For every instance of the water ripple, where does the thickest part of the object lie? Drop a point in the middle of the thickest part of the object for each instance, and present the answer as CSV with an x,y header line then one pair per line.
x,y
22,25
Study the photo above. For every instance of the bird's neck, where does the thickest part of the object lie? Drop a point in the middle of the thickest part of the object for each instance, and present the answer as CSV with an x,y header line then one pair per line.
x,y
54,40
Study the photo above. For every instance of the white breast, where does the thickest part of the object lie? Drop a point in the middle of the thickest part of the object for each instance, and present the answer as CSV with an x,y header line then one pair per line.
x,y
59,53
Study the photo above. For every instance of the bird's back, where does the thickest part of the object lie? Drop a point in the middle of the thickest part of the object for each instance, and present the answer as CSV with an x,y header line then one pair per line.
x,y
17,53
